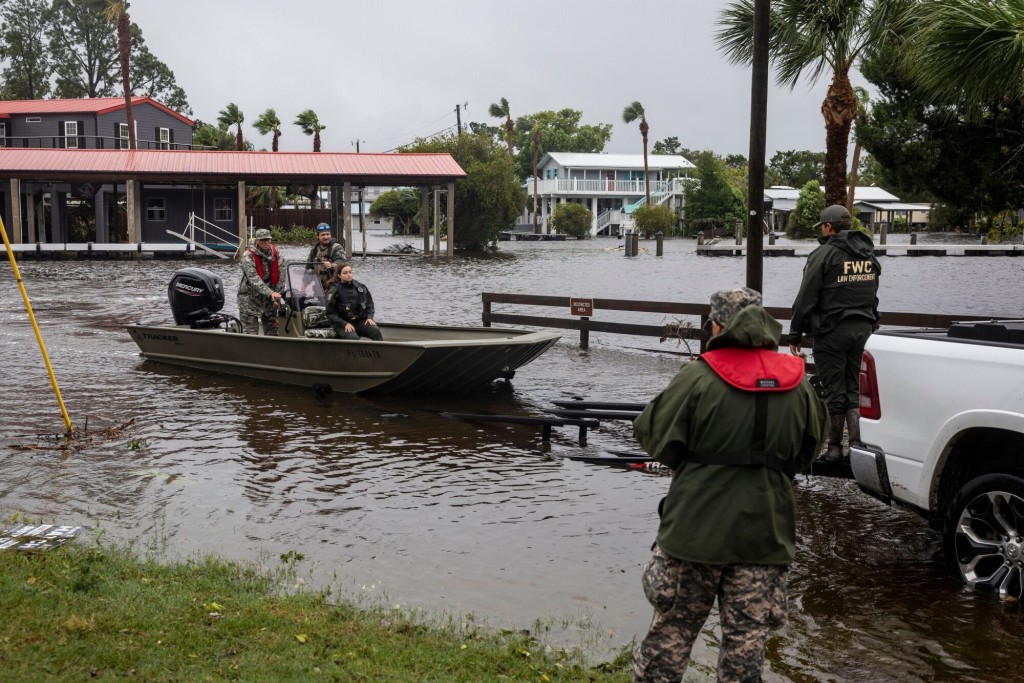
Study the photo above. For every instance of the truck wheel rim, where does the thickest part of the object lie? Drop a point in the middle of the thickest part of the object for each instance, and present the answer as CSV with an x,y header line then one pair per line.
x,y
989,543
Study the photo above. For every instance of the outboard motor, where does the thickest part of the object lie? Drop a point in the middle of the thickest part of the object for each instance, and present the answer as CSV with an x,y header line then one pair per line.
x,y
195,295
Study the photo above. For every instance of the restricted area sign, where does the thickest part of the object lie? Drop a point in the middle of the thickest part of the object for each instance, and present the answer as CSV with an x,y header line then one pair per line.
x,y
581,307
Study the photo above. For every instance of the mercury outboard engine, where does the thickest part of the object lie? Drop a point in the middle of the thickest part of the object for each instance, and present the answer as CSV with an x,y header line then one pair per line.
x,y
196,295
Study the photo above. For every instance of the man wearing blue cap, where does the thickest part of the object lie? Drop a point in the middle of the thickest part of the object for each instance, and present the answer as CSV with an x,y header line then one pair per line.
x,y
326,256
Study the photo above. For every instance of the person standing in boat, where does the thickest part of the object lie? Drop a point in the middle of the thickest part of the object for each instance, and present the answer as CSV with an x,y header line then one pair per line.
x,y
262,287
734,426
326,257
350,308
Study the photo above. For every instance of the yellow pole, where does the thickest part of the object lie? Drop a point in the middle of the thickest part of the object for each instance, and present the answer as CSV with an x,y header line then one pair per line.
x,y
35,326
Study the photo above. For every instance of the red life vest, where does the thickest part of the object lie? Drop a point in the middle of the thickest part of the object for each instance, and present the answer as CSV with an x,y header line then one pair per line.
x,y
275,271
755,369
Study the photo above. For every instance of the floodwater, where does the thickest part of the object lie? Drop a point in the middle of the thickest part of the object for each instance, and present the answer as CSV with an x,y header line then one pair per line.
x,y
390,501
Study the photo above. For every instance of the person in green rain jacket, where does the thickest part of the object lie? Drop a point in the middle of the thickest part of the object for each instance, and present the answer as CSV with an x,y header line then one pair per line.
x,y
734,426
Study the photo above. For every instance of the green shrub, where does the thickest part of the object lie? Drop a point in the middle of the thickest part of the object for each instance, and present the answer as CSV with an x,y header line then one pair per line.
x,y
650,220
572,219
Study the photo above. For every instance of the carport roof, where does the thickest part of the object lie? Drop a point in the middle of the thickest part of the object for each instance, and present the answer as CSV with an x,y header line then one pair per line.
x,y
260,168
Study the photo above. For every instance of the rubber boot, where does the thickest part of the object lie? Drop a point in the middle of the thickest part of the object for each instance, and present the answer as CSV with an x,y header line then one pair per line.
x,y
835,438
853,425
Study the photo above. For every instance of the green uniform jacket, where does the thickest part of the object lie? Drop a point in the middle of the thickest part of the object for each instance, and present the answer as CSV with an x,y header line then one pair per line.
x,y
719,514
840,280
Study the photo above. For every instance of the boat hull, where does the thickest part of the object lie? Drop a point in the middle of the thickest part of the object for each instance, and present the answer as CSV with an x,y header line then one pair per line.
x,y
412,359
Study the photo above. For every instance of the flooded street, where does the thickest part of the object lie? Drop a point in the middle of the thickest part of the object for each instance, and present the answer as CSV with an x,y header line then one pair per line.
x,y
389,500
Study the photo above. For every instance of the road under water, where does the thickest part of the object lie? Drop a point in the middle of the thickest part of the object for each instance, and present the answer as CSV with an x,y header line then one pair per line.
x,y
389,500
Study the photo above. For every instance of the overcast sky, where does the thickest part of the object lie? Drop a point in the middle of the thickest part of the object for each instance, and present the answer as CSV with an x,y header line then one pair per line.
x,y
386,71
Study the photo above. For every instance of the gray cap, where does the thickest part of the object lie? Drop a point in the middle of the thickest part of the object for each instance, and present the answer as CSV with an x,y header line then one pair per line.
x,y
728,302
834,214
262,234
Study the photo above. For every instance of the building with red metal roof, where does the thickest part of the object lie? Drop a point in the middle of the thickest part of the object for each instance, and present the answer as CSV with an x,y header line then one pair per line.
x,y
71,163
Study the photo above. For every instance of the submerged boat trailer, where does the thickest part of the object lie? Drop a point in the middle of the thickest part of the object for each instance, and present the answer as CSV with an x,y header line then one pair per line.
x,y
577,413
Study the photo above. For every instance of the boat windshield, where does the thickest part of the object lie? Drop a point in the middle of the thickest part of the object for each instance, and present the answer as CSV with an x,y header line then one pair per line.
x,y
303,287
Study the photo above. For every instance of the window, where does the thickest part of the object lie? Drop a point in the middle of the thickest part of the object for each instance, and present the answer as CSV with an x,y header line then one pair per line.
x,y
33,119
122,134
222,209
71,134
3,134
164,138
156,209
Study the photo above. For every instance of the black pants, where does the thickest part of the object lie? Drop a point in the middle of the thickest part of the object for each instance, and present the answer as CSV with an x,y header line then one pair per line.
x,y
837,357
363,329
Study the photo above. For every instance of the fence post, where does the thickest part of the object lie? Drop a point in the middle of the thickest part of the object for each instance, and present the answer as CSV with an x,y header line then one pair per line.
x,y
636,243
913,238
660,238
584,334
487,312
739,232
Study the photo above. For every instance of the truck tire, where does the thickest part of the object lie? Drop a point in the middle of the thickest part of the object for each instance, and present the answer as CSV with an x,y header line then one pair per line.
x,y
983,534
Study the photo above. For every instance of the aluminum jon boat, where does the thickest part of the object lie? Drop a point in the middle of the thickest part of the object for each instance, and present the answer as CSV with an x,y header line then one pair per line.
x,y
411,359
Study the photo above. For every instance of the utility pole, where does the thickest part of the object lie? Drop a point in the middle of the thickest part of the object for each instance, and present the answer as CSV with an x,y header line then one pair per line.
x,y
758,125
362,219
458,115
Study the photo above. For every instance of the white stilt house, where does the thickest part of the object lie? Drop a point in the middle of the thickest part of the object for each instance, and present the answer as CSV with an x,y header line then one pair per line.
x,y
610,185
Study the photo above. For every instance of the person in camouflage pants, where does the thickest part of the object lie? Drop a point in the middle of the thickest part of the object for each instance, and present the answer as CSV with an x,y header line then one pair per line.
x,y
734,426
262,287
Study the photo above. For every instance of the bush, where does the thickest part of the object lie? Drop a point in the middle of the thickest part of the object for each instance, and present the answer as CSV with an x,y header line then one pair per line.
x,y
572,219
296,234
650,220
809,206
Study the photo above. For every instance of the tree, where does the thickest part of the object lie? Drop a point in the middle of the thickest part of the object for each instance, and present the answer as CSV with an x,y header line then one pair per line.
x,y
498,110
229,116
400,206
972,50
310,125
85,54
631,113
152,78
862,114
572,219
669,145
559,132
117,11
812,37
490,198
809,205
209,136
712,202
27,73
268,122
796,167
650,220
963,154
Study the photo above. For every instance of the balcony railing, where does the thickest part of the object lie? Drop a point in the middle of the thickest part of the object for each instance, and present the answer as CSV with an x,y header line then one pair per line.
x,y
88,142
578,186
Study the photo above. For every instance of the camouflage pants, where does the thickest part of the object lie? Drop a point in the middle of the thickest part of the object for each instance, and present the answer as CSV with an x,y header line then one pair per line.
x,y
751,602
254,312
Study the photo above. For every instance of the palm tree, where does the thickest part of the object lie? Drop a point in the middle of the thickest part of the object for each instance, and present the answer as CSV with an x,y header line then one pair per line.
x,y
812,38
499,110
973,50
862,113
268,122
117,11
630,114
229,116
310,125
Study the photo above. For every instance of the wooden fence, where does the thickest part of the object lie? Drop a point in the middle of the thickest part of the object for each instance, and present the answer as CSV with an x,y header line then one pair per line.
x,y
672,330
286,217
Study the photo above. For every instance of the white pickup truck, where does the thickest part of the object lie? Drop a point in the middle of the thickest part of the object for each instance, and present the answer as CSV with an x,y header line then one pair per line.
x,y
942,430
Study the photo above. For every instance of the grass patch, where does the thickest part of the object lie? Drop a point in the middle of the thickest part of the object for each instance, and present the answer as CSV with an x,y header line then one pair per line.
x,y
78,612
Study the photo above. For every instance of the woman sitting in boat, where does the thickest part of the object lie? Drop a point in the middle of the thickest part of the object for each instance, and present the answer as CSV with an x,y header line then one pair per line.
x,y
350,308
